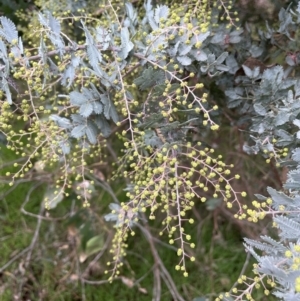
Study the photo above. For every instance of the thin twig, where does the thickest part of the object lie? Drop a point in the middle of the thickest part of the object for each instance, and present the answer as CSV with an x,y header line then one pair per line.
x,y
164,244
37,215
35,236
243,270
156,267
167,277
98,282
103,185
10,163
31,247
143,277
161,267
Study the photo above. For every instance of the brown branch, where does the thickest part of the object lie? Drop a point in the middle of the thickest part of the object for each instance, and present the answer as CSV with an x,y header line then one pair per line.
x,y
160,270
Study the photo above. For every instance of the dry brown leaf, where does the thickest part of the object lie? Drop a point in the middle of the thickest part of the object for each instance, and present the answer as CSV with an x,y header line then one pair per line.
x,y
82,257
128,282
143,290
74,277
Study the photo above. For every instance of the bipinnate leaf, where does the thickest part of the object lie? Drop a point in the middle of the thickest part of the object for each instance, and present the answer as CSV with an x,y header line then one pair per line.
x,y
103,125
8,30
86,109
149,78
65,146
54,24
184,60
91,132
161,11
97,107
62,122
78,131
126,45
77,98
109,108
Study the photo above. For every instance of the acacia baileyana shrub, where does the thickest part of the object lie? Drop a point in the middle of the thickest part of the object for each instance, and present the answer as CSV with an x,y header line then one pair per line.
x,y
140,78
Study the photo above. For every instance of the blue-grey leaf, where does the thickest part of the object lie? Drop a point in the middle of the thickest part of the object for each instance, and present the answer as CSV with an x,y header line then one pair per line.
x,y
103,125
77,98
6,89
255,72
103,37
94,56
279,198
173,50
86,109
235,39
58,42
111,217
129,95
94,245
54,24
260,109
65,146
148,6
78,119
151,21
218,38
184,60
78,131
110,112
149,78
52,198
97,107
184,49
43,20
91,132
221,58
9,30
52,67
151,138
247,71
62,122
296,154
21,48
42,50
162,11
68,76
222,67
126,44
256,51
296,122
200,37
3,51
199,55
282,118
232,64
289,229
131,19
